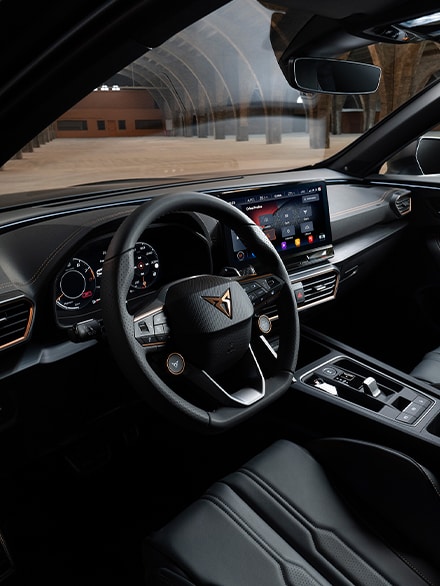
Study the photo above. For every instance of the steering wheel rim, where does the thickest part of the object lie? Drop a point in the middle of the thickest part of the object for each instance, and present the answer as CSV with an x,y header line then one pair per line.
x,y
119,323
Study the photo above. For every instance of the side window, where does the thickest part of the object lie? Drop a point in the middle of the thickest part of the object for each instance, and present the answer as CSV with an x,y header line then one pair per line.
x,y
421,157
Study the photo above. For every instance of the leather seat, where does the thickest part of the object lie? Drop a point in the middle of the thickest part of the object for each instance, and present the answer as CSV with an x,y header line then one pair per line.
x,y
428,369
341,512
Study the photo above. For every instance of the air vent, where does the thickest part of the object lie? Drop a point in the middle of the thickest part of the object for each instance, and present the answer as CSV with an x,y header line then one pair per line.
x,y
311,288
319,288
401,201
15,321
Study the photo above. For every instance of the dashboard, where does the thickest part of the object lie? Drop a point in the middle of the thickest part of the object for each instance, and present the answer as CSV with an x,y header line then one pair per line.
x,y
294,217
52,254
51,269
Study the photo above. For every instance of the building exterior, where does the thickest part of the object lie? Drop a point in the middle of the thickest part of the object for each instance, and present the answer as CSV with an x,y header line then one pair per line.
x,y
112,111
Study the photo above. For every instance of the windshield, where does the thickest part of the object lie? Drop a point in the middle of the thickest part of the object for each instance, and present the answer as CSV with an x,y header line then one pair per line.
x,y
212,100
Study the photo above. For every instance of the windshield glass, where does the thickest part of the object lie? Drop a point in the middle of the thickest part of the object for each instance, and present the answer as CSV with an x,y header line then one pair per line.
x,y
212,100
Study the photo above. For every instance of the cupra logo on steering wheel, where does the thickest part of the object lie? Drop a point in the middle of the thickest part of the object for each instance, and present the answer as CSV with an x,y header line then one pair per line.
x,y
223,303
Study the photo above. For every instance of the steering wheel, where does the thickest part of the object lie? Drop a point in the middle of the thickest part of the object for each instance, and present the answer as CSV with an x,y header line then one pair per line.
x,y
197,350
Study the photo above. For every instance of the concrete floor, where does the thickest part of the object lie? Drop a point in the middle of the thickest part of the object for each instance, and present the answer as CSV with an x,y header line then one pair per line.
x,y
65,162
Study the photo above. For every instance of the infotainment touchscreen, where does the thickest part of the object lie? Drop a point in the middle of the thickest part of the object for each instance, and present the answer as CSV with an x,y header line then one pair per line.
x,y
294,217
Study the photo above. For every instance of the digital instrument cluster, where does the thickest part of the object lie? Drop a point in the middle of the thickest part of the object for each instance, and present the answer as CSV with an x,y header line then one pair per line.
x,y
78,285
164,253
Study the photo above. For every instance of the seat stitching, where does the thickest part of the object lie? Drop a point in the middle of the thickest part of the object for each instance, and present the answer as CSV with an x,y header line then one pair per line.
x,y
243,525
265,485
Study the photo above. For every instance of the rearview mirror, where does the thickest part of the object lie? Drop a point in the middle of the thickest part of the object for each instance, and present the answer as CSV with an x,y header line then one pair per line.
x,y
333,76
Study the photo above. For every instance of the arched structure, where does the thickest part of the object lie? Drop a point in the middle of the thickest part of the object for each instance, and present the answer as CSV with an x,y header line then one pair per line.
x,y
221,106
198,94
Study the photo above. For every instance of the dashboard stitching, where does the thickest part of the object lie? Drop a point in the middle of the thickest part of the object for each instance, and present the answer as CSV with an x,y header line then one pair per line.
x,y
364,206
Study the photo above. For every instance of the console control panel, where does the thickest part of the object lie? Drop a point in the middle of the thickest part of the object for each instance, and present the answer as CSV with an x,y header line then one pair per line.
x,y
358,384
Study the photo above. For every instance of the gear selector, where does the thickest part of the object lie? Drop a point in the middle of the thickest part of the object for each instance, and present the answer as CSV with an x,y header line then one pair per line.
x,y
370,387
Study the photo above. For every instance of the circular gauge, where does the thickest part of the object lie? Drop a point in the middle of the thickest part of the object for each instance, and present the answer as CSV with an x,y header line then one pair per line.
x,y
76,285
146,266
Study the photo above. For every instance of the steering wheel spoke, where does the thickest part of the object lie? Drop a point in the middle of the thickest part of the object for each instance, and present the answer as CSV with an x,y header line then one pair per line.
x,y
240,387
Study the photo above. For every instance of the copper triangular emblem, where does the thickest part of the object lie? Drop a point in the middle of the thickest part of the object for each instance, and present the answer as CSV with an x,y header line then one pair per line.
x,y
223,303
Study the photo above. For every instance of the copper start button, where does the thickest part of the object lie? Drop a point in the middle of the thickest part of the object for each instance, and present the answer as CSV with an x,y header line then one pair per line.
x,y
264,324
175,363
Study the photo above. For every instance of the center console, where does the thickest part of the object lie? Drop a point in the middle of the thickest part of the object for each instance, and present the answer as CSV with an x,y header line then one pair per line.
x,y
295,218
359,383
362,385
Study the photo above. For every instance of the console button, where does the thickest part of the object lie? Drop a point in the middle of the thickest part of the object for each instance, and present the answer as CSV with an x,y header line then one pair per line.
x,y
414,409
328,388
406,417
421,400
329,371
299,295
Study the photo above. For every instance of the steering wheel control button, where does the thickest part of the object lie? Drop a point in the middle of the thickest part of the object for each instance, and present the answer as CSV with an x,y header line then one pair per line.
x,y
272,287
175,363
262,290
152,330
249,287
159,318
264,324
160,327
145,327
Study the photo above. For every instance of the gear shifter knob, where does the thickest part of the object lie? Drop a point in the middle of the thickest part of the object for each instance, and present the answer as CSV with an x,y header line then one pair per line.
x,y
370,387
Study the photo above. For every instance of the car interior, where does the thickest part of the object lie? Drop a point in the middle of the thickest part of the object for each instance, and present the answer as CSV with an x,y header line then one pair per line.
x,y
227,379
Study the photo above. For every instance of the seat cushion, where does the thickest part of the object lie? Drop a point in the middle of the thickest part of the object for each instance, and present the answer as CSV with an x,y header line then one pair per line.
x,y
276,521
428,368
